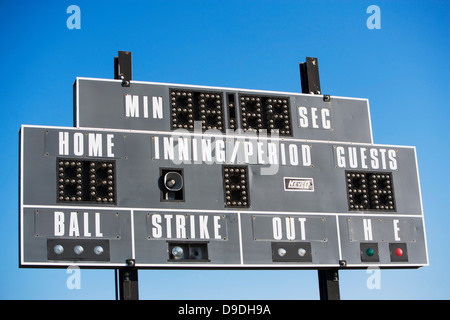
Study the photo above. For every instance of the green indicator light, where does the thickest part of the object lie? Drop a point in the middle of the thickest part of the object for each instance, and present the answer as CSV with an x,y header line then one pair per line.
x,y
369,252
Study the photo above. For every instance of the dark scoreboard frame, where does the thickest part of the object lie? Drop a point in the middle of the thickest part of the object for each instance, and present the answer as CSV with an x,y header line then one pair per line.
x,y
323,202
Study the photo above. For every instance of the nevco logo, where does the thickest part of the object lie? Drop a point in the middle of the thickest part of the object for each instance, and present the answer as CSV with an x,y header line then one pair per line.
x,y
298,184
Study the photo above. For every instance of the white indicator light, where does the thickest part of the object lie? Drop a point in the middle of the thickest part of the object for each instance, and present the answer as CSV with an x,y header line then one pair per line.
x,y
281,252
59,249
98,250
301,252
78,249
177,252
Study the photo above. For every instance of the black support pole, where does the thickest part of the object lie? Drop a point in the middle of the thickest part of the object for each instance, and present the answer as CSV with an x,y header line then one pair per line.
x,y
128,282
309,76
329,284
123,67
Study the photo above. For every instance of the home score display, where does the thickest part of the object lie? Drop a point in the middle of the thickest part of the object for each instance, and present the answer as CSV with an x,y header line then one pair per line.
x,y
208,177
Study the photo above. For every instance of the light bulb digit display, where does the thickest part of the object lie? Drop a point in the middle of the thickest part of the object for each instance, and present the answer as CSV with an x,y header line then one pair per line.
x,y
236,185
370,191
190,106
86,181
270,113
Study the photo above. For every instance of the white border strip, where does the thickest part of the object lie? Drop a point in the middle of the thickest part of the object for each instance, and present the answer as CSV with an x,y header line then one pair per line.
x,y
236,136
241,248
133,245
227,266
117,208
370,121
215,88
421,208
77,100
338,230
21,206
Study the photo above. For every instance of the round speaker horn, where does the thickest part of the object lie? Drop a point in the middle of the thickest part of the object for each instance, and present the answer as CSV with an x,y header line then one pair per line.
x,y
173,181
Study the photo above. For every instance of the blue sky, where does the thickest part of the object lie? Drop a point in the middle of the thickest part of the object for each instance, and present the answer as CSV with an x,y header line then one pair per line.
x,y
402,68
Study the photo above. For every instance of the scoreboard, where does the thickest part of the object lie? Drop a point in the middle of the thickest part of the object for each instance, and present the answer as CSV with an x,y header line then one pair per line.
x,y
208,177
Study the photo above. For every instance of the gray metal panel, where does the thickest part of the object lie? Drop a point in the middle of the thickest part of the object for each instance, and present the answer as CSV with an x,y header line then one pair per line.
x,y
245,235
385,230
155,229
319,231
138,171
79,223
101,103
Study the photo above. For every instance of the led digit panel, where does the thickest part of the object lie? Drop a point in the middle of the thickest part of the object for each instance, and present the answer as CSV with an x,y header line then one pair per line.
x,y
370,191
86,181
210,111
236,184
257,112
189,106
270,113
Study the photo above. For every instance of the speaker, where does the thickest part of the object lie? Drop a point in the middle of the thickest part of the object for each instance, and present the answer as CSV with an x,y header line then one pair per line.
x,y
173,181
171,184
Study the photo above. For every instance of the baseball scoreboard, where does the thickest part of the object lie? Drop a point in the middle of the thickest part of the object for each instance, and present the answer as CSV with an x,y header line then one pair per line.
x,y
208,177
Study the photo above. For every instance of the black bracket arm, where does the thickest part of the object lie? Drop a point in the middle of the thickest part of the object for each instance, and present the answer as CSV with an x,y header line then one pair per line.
x,y
122,67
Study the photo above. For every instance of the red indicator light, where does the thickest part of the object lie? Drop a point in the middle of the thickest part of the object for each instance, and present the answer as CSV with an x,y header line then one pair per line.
x,y
398,252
